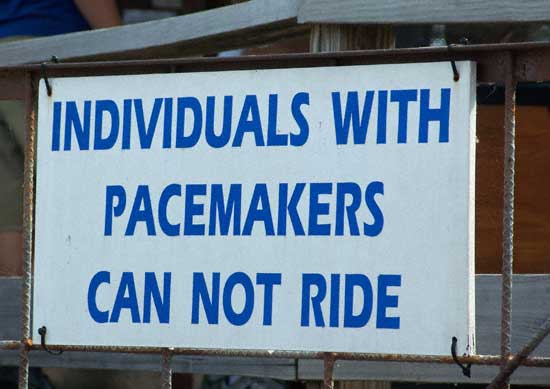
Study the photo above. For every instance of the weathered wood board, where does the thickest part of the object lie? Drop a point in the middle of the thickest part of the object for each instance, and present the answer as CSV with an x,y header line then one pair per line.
x,y
235,26
258,22
422,11
532,198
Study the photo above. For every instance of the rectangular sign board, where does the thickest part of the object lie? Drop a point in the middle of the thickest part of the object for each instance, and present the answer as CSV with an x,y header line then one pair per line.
x,y
312,209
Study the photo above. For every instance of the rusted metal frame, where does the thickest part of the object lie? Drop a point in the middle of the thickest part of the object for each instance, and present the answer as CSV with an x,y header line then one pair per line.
x,y
343,356
328,370
520,357
533,61
28,230
474,359
529,62
10,344
508,212
166,369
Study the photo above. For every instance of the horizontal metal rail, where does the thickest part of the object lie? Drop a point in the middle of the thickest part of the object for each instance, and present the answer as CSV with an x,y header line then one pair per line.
x,y
532,61
10,344
342,356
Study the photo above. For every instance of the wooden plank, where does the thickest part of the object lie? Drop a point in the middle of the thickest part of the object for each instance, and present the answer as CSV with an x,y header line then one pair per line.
x,y
532,199
330,37
10,308
281,369
423,11
531,305
419,372
234,26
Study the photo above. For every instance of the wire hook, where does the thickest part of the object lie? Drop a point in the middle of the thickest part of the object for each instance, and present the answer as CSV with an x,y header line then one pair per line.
x,y
42,331
45,76
450,47
456,75
466,370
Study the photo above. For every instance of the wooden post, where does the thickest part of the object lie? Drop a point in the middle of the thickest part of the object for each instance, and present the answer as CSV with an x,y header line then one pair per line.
x,y
341,37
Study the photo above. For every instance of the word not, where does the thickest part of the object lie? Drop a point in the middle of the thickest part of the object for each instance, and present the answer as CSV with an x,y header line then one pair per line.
x,y
209,298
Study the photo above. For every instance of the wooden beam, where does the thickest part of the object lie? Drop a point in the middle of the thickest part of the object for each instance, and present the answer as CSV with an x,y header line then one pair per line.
x,y
332,37
531,305
235,26
419,372
423,11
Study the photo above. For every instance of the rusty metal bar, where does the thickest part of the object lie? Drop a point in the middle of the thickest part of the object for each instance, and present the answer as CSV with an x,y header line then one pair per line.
x,y
387,53
328,370
166,372
28,212
533,61
474,359
520,357
409,358
10,344
508,211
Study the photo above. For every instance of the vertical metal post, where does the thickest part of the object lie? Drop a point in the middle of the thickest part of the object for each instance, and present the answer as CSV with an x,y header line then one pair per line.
x,y
508,212
328,369
166,373
28,211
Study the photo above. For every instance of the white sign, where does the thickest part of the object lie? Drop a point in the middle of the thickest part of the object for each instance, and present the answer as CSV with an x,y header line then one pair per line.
x,y
327,209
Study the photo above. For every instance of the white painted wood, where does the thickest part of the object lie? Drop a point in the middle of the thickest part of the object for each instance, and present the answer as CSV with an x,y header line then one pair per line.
x,y
256,22
332,37
234,26
531,304
423,11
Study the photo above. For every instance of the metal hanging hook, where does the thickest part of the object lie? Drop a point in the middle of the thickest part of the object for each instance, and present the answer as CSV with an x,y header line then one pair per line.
x,y
466,370
42,331
43,65
456,75
450,47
